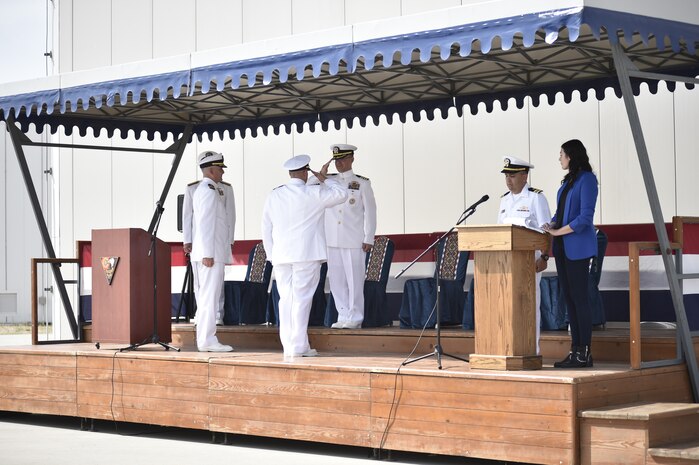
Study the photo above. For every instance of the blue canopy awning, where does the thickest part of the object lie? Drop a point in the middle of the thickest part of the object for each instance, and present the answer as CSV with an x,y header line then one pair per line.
x,y
359,76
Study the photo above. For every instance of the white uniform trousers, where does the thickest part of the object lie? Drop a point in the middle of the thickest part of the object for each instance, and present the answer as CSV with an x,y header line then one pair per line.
x,y
221,299
346,271
208,285
296,283
538,304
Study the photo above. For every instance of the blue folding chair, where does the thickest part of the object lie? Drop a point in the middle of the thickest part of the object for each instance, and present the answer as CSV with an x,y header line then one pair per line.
x,y
378,266
419,295
246,301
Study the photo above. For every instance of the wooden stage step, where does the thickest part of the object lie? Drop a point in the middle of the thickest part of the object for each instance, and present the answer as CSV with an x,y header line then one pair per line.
x,y
353,397
681,453
643,433
610,344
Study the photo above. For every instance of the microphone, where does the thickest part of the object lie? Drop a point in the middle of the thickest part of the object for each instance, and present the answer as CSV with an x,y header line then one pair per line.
x,y
482,199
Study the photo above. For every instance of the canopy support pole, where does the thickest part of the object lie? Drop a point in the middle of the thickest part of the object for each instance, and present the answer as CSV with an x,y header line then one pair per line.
x,y
178,149
624,67
18,140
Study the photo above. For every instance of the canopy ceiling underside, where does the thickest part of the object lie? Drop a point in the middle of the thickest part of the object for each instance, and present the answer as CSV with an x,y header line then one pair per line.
x,y
532,56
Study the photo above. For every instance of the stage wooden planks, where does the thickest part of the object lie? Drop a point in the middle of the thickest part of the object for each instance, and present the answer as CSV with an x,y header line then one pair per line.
x,y
38,382
341,397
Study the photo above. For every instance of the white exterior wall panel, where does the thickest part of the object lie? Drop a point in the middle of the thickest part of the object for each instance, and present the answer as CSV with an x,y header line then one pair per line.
x,y
135,41
550,127
22,237
434,173
380,158
92,34
266,20
173,27
410,7
311,15
132,186
357,11
263,158
63,170
219,23
487,138
687,150
625,199
92,188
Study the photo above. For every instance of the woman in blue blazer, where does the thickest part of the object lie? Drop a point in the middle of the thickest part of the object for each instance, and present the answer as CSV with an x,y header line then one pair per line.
x,y
574,244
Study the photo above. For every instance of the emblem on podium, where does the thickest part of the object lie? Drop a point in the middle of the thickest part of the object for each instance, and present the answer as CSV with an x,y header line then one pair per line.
x,y
109,265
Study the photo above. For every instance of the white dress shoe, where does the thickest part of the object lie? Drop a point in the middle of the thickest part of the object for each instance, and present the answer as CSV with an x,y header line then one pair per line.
x,y
308,353
217,348
338,325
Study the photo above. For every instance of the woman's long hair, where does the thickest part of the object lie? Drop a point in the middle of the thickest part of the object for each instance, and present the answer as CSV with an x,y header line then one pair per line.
x,y
579,161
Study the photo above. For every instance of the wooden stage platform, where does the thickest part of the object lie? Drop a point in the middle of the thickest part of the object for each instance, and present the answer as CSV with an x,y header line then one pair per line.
x,y
352,394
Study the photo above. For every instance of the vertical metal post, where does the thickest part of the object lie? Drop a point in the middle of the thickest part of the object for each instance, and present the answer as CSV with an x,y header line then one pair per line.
x,y
178,149
16,136
622,63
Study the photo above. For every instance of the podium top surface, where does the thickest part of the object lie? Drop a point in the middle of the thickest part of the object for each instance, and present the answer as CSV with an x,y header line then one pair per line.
x,y
500,237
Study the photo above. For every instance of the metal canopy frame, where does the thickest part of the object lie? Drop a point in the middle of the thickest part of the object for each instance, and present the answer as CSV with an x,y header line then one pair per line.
x,y
370,88
20,140
624,68
404,81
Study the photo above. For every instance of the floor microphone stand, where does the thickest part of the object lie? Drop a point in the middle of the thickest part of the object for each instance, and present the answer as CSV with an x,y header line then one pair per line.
x,y
153,338
187,294
437,352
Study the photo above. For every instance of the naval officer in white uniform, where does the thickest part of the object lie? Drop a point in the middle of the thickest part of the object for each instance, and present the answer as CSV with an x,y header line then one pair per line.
x,y
349,231
187,210
526,206
211,249
294,239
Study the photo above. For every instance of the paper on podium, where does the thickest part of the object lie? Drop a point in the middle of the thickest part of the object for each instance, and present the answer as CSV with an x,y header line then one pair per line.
x,y
524,222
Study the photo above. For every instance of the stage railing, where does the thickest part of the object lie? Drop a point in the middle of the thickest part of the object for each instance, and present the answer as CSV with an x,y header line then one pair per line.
x,y
35,297
635,249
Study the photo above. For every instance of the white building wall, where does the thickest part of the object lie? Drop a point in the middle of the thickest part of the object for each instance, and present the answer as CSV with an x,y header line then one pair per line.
x,y
21,57
424,173
687,150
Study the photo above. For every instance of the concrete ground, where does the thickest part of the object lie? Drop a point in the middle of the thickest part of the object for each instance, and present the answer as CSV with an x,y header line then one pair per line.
x,y
29,439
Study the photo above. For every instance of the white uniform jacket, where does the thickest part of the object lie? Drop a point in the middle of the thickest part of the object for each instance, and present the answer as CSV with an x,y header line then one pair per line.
x,y
187,209
530,204
292,220
352,223
211,231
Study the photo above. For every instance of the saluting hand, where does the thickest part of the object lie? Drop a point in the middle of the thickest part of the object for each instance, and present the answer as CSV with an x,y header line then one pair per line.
x,y
322,175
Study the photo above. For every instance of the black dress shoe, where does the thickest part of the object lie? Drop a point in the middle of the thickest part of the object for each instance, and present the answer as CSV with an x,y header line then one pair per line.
x,y
565,363
582,358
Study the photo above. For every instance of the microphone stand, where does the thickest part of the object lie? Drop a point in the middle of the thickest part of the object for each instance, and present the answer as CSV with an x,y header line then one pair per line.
x,y
438,352
153,338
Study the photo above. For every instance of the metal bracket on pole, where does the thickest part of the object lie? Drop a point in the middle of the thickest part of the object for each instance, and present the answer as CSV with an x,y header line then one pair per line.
x,y
624,68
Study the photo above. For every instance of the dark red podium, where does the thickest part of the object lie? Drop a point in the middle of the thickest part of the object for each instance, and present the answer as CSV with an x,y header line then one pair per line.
x,y
122,311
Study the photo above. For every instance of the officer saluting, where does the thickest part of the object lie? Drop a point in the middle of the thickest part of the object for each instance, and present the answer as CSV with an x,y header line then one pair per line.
x,y
292,234
211,249
187,211
525,205
349,230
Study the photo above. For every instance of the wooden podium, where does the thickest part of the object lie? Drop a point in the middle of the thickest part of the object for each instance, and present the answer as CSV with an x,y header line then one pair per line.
x,y
122,312
504,294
